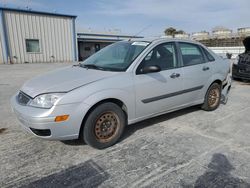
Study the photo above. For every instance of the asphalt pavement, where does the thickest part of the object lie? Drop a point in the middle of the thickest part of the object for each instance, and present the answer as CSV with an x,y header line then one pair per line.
x,y
187,148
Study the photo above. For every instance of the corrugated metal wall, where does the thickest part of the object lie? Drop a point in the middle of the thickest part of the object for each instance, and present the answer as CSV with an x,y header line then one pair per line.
x,y
55,35
1,50
3,58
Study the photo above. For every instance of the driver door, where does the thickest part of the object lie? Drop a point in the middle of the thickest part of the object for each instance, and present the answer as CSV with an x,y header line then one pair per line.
x,y
157,92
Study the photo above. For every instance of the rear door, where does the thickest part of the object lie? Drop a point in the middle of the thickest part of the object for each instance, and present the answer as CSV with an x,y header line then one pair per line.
x,y
196,71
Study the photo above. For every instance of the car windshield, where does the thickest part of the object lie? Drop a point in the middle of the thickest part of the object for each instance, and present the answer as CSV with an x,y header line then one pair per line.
x,y
115,57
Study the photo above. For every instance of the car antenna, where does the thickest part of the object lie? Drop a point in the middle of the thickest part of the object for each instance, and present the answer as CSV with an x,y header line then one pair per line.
x,y
135,35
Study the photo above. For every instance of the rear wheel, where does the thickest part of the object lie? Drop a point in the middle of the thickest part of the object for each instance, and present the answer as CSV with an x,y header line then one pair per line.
x,y
212,98
104,125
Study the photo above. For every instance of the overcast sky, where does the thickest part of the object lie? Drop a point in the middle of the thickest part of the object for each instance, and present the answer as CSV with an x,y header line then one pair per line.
x,y
132,16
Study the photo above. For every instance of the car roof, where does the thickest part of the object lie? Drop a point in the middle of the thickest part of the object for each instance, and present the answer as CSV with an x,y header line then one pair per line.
x,y
164,39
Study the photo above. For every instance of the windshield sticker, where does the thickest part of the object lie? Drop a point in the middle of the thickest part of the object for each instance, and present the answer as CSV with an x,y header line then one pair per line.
x,y
140,43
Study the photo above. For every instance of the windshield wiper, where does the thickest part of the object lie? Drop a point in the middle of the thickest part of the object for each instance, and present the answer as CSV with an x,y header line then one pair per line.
x,y
76,65
91,66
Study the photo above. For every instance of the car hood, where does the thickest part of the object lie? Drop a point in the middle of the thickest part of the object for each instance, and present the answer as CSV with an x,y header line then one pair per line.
x,y
63,80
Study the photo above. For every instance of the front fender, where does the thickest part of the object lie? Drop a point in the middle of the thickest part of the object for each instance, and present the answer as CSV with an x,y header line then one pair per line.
x,y
128,98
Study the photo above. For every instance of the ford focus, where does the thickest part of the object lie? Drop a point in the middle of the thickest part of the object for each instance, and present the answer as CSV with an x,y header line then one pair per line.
x,y
124,83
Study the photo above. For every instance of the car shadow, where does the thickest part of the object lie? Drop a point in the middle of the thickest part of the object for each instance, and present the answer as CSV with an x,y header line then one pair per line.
x,y
131,129
76,142
218,174
241,81
87,174
245,83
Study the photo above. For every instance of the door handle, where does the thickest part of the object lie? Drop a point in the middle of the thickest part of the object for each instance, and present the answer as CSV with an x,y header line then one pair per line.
x,y
175,75
205,68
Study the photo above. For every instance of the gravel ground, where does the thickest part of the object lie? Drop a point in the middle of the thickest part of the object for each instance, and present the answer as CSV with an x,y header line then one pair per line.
x,y
187,148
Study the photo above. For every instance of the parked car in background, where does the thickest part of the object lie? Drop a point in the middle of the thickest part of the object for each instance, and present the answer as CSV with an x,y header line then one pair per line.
x,y
122,84
241,67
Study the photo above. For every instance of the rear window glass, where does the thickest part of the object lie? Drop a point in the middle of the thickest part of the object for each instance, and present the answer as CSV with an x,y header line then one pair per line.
x,y
208,55
191,54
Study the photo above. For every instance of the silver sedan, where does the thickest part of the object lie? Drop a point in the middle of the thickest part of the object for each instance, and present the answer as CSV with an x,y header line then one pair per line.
x,y
126,82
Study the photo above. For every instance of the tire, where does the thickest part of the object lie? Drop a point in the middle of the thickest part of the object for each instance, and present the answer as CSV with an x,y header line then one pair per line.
x,y
104,125
212,98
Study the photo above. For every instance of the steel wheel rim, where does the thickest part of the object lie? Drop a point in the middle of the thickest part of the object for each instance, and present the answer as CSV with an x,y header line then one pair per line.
x,y
213,97
106,126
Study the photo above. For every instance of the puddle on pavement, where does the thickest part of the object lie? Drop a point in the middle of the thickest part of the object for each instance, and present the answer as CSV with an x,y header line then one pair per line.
x,y
2,130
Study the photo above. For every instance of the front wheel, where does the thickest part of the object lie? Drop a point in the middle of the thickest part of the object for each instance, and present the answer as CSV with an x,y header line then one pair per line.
x,y
104,125
212,98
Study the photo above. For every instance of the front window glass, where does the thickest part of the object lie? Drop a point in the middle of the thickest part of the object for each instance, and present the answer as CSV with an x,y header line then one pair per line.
x,y
164,56
115,57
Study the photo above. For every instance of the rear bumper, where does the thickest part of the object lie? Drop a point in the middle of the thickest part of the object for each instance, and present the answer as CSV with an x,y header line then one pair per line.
x,y
239,71
226,88
41,122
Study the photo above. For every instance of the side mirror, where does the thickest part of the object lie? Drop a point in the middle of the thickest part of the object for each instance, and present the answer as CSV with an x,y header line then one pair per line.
x,y
150,69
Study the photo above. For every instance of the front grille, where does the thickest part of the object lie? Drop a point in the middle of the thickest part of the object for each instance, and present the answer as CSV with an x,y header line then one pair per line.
x,y
244,62
244,58
22,98
244,70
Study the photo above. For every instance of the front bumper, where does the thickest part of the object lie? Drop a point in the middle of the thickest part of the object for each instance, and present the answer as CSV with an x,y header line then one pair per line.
x,y
41,122
241,72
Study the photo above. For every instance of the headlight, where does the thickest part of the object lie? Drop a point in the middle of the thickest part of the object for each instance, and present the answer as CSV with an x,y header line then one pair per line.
x,y
46,100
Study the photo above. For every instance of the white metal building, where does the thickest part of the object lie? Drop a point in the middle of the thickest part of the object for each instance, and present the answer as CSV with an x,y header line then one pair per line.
x,y
32,36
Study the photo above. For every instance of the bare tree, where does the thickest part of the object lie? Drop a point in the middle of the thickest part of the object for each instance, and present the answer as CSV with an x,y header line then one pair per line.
x,y
172,31
180,32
